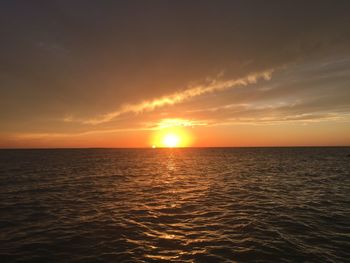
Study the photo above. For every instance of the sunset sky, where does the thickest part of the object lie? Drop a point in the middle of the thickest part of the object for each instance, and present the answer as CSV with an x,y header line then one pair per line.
x,y
214,73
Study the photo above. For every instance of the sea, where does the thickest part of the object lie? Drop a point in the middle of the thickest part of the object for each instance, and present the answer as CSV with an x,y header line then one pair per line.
x,y
175,205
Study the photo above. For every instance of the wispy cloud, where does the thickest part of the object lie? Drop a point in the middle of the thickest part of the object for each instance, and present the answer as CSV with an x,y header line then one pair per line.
x,y
151,126
273,114
41,135
169,123
179,97
277,120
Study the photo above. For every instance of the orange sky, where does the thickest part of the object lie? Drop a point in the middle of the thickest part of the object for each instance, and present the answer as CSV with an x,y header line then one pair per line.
x,y
237,136
125,74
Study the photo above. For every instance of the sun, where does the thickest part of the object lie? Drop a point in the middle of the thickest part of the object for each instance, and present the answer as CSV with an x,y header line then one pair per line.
x,y
171,140
171,136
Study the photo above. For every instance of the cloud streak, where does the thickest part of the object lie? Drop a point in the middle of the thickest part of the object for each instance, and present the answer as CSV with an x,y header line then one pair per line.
x,y
178,97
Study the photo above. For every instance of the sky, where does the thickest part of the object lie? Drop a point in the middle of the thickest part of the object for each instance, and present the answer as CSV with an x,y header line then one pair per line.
x,y
217,73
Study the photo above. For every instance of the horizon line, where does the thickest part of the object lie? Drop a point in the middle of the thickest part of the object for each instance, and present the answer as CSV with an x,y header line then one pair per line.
x,y
191,147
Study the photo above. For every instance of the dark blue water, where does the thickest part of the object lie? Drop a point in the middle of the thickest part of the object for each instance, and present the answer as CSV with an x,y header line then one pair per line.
x,y
178,205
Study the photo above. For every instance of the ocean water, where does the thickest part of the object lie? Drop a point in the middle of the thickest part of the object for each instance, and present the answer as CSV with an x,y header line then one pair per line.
x,y
175,205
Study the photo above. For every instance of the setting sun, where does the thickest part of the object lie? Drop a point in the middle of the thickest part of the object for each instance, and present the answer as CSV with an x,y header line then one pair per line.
x,y
171,140
171,137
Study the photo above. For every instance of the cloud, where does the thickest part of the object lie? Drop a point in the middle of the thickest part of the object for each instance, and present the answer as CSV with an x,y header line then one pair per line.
x,y
170,123
179,97
41,135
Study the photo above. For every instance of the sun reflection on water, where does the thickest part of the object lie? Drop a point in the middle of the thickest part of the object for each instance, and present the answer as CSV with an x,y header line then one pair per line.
x,y
171,206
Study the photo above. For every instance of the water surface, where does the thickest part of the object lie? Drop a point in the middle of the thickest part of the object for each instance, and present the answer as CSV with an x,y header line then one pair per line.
x,y
177,205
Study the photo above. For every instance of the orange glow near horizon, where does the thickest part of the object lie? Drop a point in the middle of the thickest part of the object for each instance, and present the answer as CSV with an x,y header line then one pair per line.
x,y
172,137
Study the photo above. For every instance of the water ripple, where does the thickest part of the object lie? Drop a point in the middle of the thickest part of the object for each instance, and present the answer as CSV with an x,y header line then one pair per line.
x,y
178,205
